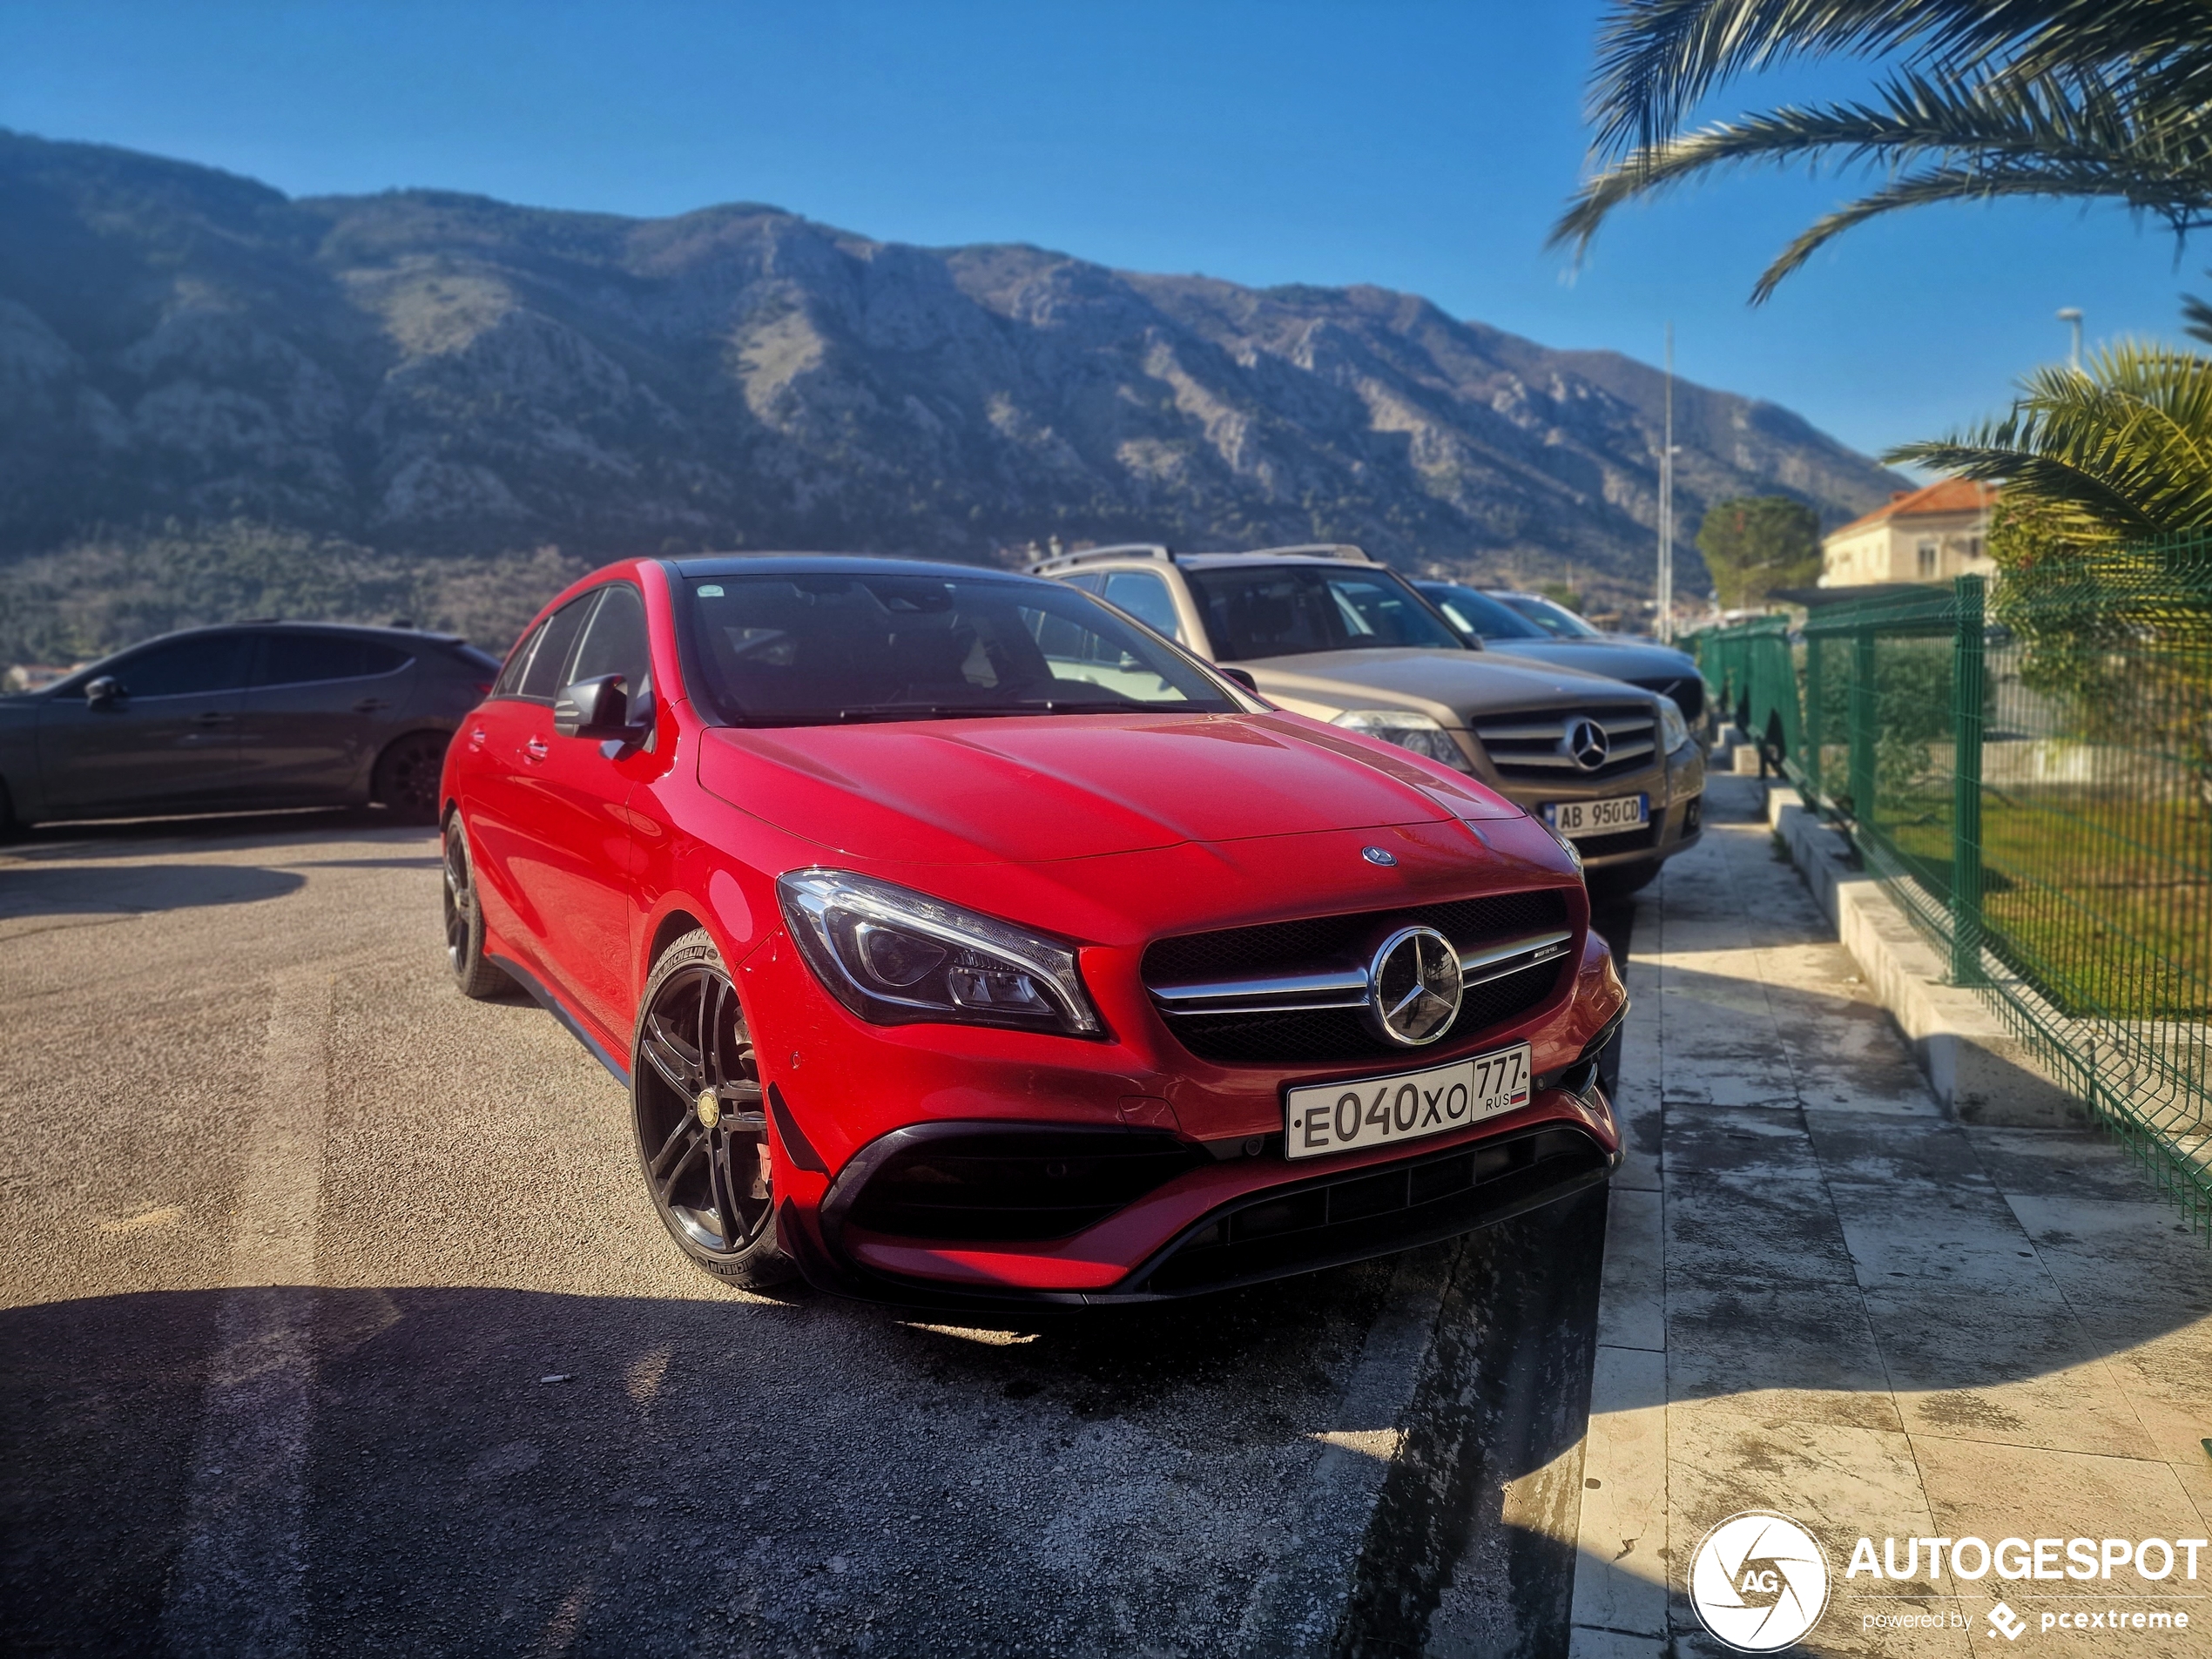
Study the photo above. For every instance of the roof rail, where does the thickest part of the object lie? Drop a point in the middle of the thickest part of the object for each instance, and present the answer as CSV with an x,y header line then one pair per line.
x,y
1344,550
1093,554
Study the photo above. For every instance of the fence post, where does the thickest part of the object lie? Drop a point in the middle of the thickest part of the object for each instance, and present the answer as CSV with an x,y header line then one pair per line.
x,y
1966,783
1863,709
1810,764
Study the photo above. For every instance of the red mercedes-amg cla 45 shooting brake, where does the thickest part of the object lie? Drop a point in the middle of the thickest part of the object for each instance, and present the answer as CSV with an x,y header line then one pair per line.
x,y
961,940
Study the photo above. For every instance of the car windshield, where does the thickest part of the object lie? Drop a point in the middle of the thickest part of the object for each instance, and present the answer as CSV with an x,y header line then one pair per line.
x,y
1554,619
1478,613
1295,610
818,647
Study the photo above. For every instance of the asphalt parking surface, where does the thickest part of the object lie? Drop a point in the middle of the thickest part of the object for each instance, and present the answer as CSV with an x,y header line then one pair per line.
x,y
486,1408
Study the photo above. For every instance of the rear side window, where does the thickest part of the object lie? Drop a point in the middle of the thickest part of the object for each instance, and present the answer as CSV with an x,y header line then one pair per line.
x,y
188,667
300,658
1145,597
615,643
542,679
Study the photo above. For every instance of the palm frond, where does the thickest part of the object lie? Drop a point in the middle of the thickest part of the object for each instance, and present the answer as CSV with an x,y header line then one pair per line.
x,y
1994,135
1657,59
2119,449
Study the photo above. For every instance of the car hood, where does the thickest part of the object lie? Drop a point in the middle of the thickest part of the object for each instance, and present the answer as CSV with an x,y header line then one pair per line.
x,y
1458,684
1071,786
1619,658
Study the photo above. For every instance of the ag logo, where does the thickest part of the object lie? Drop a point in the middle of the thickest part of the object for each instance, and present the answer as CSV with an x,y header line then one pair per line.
x,y
1758,1581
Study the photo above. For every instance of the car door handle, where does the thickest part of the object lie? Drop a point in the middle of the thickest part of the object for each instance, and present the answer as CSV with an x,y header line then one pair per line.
x,y
536,749
212,716
370,705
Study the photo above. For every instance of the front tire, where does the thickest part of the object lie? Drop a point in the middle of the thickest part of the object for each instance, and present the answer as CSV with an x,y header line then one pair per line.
x,y
464,921
701,1119
1617,881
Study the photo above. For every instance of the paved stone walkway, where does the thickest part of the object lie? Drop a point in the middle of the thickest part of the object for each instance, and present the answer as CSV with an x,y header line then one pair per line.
x,y
1823,1299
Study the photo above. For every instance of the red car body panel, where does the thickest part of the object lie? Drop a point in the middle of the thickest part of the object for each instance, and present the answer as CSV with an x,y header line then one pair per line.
x,y
1110,831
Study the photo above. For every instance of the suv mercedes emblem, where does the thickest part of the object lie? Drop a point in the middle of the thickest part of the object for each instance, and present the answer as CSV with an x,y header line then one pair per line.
x,y
1586,743
1413,986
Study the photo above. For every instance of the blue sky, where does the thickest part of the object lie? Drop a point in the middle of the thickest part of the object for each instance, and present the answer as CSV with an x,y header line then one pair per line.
x,y
1420,146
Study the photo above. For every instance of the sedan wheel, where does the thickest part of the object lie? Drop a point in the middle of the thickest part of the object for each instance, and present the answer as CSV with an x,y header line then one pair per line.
x,y
407,777
464,921
701,1120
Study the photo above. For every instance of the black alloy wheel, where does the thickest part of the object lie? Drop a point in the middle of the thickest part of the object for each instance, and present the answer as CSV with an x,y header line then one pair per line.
x,y
464,921
701,1118
407,774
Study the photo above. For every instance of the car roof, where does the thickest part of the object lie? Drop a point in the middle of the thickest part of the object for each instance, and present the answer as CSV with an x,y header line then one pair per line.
x,y
283,624
712,564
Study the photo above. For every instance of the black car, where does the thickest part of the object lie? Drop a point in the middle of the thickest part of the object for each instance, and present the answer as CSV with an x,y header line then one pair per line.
x,y
254,714
1489,621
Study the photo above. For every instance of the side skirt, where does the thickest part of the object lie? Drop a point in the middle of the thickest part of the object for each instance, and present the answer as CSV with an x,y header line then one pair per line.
x,y
554,1006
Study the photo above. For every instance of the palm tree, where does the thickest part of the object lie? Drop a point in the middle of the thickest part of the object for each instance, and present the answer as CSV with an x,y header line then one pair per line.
x,y
2116,451
2087,99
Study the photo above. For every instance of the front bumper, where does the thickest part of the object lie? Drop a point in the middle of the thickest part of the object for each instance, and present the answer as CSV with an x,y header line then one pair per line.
x,y
1675,789
1250,1226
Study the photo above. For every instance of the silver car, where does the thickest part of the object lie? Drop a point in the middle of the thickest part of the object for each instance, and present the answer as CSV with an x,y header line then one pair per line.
x,y
1328,632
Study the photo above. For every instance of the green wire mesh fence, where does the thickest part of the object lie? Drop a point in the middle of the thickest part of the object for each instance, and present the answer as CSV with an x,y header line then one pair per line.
x,y
2028,769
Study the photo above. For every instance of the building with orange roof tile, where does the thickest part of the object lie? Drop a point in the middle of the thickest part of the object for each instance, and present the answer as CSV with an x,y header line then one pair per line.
x,y
1927,535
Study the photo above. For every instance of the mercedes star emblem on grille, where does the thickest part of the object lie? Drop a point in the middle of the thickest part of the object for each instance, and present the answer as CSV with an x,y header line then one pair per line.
x,y
1586,743
1413,986
1379,855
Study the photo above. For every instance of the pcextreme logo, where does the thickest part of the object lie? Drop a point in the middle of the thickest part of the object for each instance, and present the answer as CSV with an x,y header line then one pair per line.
x,y
1758,1581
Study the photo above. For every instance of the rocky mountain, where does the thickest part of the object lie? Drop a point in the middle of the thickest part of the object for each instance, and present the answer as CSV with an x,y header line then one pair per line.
x,y
445,374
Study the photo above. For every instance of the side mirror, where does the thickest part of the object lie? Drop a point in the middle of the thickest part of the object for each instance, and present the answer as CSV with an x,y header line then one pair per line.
x,y
1242,676
102,692
598,709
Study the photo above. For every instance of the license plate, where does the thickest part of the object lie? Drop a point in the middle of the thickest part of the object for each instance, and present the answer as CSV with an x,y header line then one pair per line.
x,y
1599,817
1344,1118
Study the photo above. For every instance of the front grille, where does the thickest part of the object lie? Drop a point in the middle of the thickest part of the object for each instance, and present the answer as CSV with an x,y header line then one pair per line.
x,y
1532,747
1288,946
1322,1036
1365,1212
1015,1182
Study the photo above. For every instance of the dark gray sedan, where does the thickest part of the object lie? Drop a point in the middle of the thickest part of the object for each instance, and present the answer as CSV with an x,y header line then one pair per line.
x,y
1497,626
255,715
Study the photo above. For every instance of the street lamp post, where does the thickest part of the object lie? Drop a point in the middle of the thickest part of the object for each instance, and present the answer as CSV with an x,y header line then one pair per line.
x,y
2073,315
1665,619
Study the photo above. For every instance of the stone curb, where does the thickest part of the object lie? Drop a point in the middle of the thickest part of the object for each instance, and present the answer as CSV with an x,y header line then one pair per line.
x,y
1980,1071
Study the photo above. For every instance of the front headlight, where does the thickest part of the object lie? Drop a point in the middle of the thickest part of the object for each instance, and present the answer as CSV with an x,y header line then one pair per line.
x,y
1574,852
1409,731
1674,731
896,957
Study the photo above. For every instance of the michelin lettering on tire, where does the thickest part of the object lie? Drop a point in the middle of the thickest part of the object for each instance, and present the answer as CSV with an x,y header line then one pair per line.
x,y
1759,1582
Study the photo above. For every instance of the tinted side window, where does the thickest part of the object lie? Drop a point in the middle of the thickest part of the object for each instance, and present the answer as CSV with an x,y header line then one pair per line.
x,y
544,678
299,658
1145,597
210,662
509,683
615,644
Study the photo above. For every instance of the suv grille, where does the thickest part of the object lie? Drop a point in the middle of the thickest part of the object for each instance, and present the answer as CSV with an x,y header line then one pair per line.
x,y
1532,747
1312,1036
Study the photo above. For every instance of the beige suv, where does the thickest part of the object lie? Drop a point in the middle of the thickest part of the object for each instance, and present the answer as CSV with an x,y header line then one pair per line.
x,y
1328,632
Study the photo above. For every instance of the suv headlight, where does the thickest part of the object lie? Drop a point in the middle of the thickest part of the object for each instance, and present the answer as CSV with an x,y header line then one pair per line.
x,y
1408,730
1674,731
898,957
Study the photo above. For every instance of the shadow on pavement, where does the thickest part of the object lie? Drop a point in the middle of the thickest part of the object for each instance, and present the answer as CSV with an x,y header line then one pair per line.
x,y
134,889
